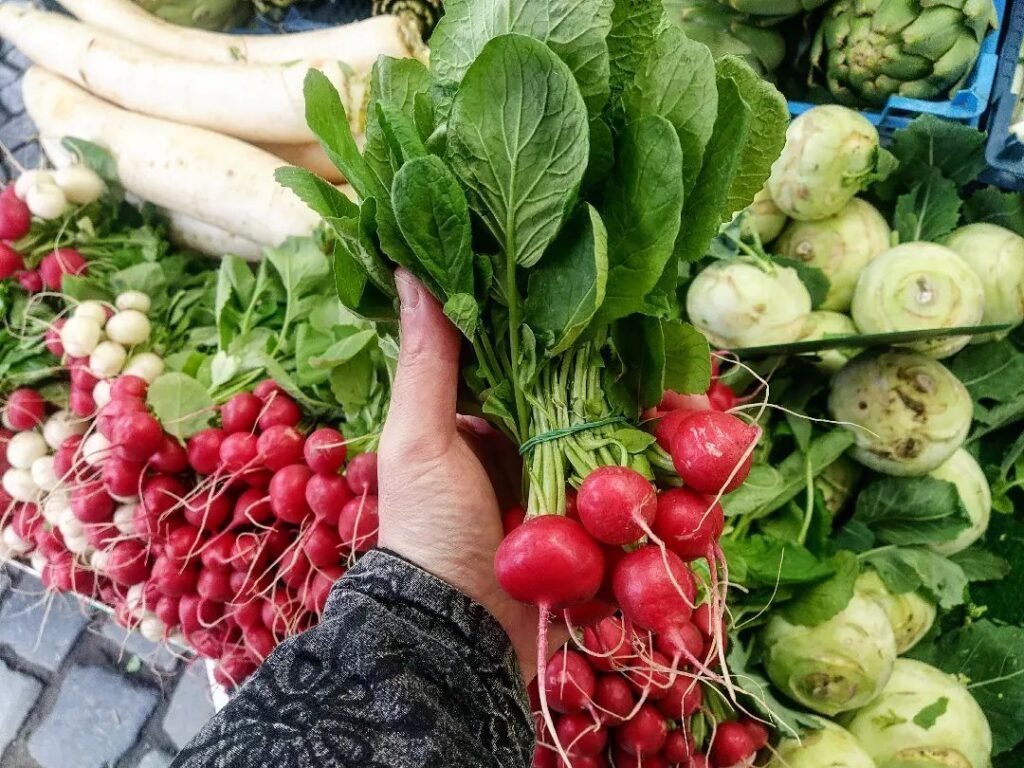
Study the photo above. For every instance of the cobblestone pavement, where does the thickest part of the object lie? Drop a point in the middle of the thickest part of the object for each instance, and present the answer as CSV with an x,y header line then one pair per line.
x,y
77,691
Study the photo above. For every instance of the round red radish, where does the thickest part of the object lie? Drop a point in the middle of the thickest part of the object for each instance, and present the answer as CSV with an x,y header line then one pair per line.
x,y
294,568
174,579
208,509
266,388
713,451
238,452
358,524
81,402
166,610
260,642
50,542
683,698
30,280
91,503
10,260
616,504
668,424
252,507
26,521
250,553
232,669
609,644
288,493
215,585
161,493
183,544
673,401
643,734
137,436
314,598
544,757
60,262
280,611
512,518
655,589
613,699
121,478
322,545
325,450
361,474
52,338
279,409
326,494
280,446
681,640
170,457
590,612
247,613
757,731
239,414
218,551
100,535
579,735
688,522
81,376
128,386
721,397
652,675
569,682
625,760
65,458
678,746
15,217
25,409
204,450
732,745
127,563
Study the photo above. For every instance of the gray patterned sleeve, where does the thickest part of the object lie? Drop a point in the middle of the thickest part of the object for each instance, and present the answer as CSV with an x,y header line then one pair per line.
x,y
402,671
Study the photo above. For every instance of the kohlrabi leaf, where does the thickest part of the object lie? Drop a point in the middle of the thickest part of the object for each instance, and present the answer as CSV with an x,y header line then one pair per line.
x,y
930,210
517,140
643,203
981,565
633,32
994,375
574,29
905,569
764,561
568,285
687,358
640,343
955,150
912,510
992,206
820,602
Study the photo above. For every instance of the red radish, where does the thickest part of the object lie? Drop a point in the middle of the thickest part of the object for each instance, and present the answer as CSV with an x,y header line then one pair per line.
x,y
688,522
161,493
50,542
260,641
25,409
681,641
280,446
137,436
218,551
63,575
654,588
90,502
279,409
571,506
713,451
721,397
128,386
238,452
325,450
30,280
590,612
100,535
616,504
643,734
625,760
673,401
702,620
166,610
667,425
652,676
314,598
239,414
121,478
15,217
170,457
512,518
64,459
215,585
60,262
26,521
684,697
288,493
252,507
208,509
112,413
544,757
250,553
609,644
204,450
570,682
267,388
153,528
361,474
358,524
732,745
81,402
206,642
256,479
326,494
10,260
294,568
126,563
678,746
279,613
52,338
81,376
698,761
580,735
757,731
232,669
183,544
248,613
613,699
322,545
195,612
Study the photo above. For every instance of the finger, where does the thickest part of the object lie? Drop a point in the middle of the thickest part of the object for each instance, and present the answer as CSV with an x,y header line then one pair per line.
x,y
426,382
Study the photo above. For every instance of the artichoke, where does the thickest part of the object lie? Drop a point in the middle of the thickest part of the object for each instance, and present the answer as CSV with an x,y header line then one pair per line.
x,y
835,666
915,287
997,256
825,325
870,50
728,33
829,747
910,615
840,246
962,470
202,14
907,412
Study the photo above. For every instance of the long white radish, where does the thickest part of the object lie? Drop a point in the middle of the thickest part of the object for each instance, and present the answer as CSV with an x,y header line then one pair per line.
x,y
208,239
209,177
309,156
357,44
256,102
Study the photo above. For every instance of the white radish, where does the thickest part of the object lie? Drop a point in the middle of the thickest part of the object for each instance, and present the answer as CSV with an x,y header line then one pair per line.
x,y
101,393
107,360
255,102
124,519
5,419
152,628
212,178
146,365
77,545
79,184
98,560
24,448
91,310
54,505
60,426
43,473
38,561
14,542
19,485
69,525
358,44
80,335
95,449
128,327
136,300
188,232
45,200
30,179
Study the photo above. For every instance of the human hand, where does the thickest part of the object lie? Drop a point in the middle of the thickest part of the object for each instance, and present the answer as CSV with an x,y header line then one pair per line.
x,y
439,472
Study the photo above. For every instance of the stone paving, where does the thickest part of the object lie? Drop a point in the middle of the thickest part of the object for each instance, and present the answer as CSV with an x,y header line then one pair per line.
x,y
77,691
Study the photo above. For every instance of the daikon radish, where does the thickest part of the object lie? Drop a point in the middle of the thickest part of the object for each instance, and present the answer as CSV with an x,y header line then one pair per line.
x,y
256,102
206,238
357,44
309,156
212,178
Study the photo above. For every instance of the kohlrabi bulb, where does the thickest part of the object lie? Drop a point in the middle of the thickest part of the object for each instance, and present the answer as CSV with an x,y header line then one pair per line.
x,y
919,286
835,666
763,218
962,470
824,325
740,303
840,246
838,482
923,718
997,257
831,154
910,614
829,747
907,412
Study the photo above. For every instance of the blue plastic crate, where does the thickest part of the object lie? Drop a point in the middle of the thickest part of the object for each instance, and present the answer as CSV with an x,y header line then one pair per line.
x,y
1004,151
967,105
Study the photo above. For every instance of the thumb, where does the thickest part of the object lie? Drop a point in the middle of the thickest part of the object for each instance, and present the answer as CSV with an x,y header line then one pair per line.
x,y
426,383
